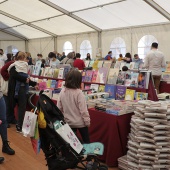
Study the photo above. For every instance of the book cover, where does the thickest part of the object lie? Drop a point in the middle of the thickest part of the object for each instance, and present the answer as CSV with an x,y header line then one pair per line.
x,y
130,94
56,72
127,82
63,84
134,79
94,78
100,64
46,69
101,88
42,86
102,75
141,96
87,87
107,64
112,76
91,63
37,68
142,80
61,73
95,65
86,62
53,84
120,92
132,66
121,78
66,70
60,83
111,89
83,75
88,76
49,83
117,64
166,76
94,88
127,75
50,72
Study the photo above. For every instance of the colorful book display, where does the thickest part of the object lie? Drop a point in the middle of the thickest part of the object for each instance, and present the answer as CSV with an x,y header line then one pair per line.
x,y
121,78
130,94
88,76
113,74
120,92
111,89
102,75
141,96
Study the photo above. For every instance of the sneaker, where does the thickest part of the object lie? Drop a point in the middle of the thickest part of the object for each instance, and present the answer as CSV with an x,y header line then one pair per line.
x,y
19,129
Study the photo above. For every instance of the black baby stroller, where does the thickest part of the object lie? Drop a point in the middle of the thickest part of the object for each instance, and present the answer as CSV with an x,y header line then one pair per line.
x,y
58,153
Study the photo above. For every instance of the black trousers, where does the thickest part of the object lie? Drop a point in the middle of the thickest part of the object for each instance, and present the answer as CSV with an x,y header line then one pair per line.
x,y
84,134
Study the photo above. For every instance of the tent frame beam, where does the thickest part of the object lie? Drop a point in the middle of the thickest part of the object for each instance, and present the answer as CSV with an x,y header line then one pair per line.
x,y
158,8
70,14
13,34
99,6
27,23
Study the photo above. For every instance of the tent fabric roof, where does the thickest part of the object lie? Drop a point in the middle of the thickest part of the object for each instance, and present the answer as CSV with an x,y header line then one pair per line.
x,y
43,18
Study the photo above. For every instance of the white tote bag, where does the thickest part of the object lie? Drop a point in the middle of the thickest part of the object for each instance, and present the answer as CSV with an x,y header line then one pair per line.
x,y
68,135
28,127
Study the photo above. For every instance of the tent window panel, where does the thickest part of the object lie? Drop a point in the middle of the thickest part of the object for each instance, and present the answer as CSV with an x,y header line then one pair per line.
x,y
144,45
85,48
117,47
67,48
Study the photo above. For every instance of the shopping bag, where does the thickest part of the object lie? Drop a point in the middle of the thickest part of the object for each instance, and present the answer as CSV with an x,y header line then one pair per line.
x,y
35,140
68,135
29,123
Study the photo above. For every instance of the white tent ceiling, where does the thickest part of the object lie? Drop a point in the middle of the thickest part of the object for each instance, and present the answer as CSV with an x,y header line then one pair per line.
x,y
43,18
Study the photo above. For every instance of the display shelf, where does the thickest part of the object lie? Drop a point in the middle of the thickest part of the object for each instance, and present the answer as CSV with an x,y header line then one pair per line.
x,y
51,78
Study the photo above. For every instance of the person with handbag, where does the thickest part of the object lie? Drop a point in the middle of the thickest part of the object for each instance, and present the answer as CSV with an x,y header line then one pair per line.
x,y
69,59
22,96
3,129
73,105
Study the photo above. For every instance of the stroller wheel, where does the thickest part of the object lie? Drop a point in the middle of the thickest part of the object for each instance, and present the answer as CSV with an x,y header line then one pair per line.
x,y
103,167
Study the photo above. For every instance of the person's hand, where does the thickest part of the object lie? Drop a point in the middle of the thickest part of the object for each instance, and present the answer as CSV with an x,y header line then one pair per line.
x,y
28,80
36,87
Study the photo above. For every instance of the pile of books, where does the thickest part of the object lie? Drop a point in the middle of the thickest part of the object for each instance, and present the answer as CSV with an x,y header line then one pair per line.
x,y
111,106
163,96
122,163
148,144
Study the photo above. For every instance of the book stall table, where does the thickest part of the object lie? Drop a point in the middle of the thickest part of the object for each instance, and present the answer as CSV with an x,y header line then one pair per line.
x,y
164,87
112,131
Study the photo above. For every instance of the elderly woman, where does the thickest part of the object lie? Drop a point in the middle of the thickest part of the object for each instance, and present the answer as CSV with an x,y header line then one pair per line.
x,y
69,59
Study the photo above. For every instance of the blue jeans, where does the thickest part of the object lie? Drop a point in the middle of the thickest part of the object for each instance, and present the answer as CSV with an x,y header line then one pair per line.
x,y
19,84
3,126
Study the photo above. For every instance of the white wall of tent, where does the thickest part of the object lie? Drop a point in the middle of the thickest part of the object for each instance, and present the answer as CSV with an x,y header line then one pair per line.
x,y
42,26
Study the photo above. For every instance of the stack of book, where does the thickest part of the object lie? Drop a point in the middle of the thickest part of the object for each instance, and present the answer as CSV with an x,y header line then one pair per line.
x,y
122,163
148,144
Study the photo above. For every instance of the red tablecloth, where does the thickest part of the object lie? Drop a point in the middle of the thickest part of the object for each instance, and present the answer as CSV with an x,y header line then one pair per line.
x,y
164,87
112,131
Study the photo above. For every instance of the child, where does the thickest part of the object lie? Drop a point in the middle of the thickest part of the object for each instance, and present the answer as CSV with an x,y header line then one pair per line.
x,y
73,105
22,68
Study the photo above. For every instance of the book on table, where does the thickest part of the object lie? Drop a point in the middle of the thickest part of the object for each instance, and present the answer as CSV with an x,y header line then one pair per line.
x,y
130,94
120,92
111,89
141,96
